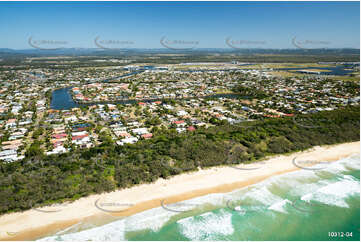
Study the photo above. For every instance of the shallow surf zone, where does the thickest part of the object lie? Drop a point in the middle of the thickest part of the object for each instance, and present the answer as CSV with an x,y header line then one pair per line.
x,y
300,205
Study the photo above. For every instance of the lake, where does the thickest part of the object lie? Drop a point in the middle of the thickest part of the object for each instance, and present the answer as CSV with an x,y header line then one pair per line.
x,y
335,70
62,99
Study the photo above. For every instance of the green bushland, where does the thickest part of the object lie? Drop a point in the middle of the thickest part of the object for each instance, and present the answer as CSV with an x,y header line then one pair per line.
x,y
38,179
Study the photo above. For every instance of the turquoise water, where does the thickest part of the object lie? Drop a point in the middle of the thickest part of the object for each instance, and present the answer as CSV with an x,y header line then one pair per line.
x,y
302,205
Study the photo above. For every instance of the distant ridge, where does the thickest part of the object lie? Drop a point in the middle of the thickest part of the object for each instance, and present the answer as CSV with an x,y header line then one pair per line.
x,y
97,51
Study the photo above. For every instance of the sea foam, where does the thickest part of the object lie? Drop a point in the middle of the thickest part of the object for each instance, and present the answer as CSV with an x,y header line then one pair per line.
x,y
305,185
208,226
112,231
279,206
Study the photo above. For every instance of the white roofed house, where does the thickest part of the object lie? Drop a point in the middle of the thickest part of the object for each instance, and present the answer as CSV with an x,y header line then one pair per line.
x,y
15,109
133,124
182,113
16,135
7,153
140,131
130,140
71,118
40,105
180,130
10,155
168,106
82,139
57,150
25,122
11,123
29,114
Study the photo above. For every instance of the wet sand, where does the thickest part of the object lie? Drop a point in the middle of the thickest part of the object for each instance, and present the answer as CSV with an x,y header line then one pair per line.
x,y
104,208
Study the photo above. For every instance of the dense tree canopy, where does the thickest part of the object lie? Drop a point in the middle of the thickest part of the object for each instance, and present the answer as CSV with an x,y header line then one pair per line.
x,y
38,179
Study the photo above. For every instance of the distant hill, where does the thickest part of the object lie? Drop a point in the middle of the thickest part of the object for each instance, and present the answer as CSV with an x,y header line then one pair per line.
x,y
95,51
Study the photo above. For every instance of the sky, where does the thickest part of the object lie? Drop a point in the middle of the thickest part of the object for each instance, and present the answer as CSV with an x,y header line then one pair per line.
x,y
26,25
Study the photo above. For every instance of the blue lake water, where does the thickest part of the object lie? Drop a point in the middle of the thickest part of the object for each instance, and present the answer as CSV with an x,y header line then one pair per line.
x,y
336,70
61,99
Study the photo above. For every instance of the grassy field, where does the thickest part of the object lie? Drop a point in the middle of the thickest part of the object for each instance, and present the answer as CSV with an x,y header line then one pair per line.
x,y
312,70
285,65
354,78
287,74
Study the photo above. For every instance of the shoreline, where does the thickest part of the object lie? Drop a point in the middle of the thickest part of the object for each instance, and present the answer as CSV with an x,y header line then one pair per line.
x,y
35,223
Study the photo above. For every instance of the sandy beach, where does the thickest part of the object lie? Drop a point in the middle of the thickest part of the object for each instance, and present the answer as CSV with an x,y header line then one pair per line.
x,y
106,207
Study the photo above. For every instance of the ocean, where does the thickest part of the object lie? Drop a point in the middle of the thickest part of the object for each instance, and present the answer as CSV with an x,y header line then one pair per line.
x,y
321,204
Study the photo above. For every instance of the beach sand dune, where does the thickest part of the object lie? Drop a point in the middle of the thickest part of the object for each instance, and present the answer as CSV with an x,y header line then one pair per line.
x,y
103,208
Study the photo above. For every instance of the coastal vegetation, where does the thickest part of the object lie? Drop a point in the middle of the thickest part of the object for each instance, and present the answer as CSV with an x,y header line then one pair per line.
x,y
38,179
